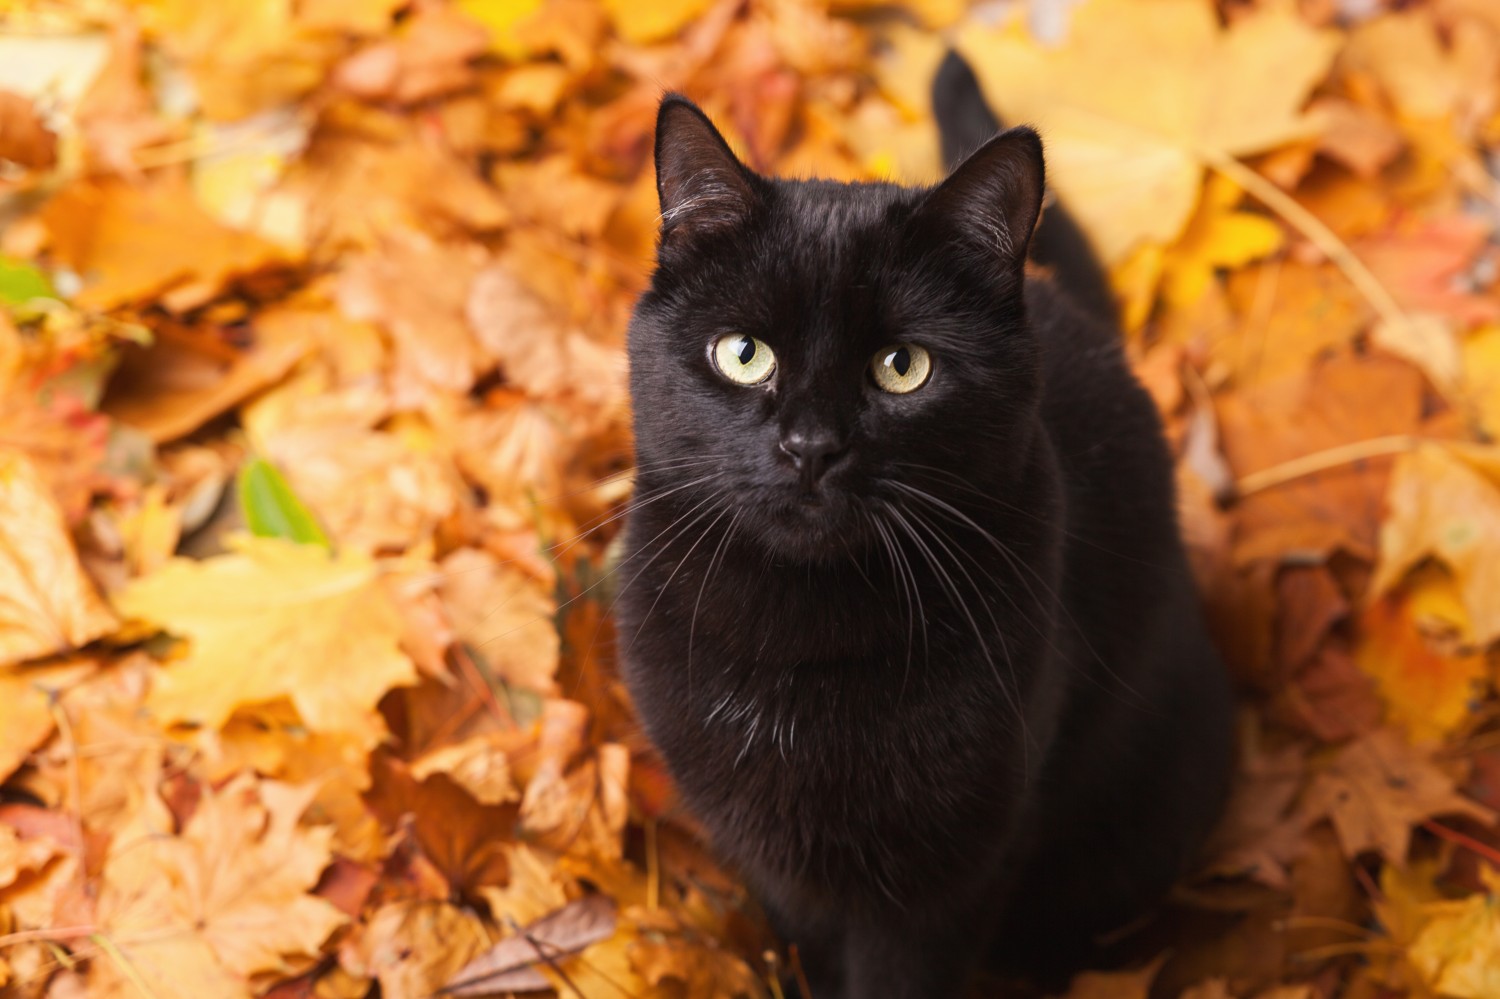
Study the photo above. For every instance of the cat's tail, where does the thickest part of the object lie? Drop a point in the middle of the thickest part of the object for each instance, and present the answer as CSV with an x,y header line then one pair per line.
x,y
965,122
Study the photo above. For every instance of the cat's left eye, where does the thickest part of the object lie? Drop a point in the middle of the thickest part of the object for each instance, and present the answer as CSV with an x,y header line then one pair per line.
x,y
901,368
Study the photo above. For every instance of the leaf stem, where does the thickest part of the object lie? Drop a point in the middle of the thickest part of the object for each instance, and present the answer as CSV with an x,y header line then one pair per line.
x,y
1309,225
1321,461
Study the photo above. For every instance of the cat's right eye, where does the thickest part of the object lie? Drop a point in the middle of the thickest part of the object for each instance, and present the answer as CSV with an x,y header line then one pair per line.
x,y
743,359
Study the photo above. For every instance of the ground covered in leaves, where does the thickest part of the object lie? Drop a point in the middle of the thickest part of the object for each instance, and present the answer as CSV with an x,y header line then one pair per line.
x,y
313,427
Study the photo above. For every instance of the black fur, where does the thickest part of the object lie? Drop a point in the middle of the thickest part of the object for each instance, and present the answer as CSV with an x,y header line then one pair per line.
x,y
952,702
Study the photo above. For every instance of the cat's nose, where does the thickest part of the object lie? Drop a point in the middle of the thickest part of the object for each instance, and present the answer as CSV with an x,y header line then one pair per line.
x,y
812,452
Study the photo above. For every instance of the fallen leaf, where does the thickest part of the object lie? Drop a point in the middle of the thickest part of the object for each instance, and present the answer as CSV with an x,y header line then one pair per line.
x,y
1442,506
1458,950
134,242
1128,152
1376,788
504,615
24,139
412,947
508,965
262,622
189,924
49,605
1412,642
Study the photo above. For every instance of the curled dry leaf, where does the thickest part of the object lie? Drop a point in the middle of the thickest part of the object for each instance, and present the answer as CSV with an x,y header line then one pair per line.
x,y
1376,788
509,966
261,622
24,139
47,605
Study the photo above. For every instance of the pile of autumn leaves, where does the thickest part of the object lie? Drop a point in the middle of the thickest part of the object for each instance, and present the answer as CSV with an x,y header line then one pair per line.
x,y
313,427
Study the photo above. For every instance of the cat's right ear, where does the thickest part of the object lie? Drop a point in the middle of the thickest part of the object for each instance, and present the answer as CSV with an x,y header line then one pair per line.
x,y
703,187
993,198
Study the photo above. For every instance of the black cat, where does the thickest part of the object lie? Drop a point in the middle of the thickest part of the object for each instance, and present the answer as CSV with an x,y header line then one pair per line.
x,y
906,609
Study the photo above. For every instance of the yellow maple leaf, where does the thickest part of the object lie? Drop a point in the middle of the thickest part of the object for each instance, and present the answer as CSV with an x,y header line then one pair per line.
x,y
47,604
1216,237
640,23
1128,138
275,619
1442,505
198,914
1458,951
1411,643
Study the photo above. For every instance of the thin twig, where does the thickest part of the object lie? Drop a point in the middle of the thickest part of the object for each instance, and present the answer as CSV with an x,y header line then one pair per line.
x,y
1316,232
59,933
122,962
1322,461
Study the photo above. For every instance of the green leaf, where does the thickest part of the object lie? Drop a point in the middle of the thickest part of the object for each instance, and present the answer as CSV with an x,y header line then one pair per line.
x,y
20,283
272,510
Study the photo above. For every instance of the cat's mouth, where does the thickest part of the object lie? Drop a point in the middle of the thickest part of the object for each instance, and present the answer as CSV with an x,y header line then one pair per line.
x,y
812,526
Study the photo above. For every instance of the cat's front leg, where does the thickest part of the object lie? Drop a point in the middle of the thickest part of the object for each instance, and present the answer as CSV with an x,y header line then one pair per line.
x,y
910,961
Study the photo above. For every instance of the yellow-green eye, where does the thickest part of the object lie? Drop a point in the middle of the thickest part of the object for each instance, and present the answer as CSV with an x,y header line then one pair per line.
x,y
743,359
901,367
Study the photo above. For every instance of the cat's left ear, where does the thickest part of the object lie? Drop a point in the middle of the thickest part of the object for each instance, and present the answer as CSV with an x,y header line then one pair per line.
x,y
994,196
703,186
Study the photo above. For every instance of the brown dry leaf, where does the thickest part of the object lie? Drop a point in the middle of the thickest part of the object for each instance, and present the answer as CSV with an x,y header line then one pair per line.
x,y
170,389
478,765
572,804
26,698
191,925
1127,151
131,243
1376,788
24,139
504,615
464,841
415,290
509,964
1258,837
372,490
514,449
245,58
1444,507
373,178
274,619
413,947
1114,984
430,56
47,605
1287,316
1332,403
1359,138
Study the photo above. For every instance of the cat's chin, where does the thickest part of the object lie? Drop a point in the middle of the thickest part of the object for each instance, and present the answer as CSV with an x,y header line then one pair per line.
x,y
799,531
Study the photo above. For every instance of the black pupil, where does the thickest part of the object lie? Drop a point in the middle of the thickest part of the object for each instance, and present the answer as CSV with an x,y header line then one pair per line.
x,y
744,349
900,360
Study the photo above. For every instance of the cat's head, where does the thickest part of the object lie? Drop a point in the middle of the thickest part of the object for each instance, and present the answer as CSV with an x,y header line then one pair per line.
x,y
810,351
